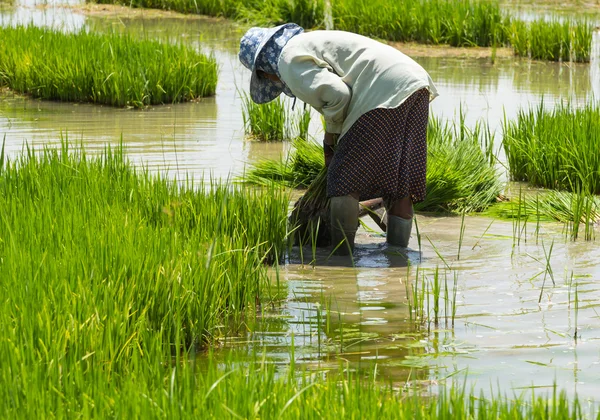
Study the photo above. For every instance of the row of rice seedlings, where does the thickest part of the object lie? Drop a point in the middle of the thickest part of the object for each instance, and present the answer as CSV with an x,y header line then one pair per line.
x,y
108,272
273,121
465,23
460,176
306,13
109,69
556,148
458,23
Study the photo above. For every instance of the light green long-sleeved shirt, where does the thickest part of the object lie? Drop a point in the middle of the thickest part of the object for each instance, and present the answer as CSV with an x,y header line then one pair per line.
x,y
344,75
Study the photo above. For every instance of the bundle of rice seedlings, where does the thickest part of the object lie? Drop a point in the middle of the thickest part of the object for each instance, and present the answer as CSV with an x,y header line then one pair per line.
x,y
460,177
304,168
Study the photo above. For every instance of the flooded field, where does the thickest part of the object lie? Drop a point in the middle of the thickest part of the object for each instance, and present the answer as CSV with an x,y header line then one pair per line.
x,y
527,298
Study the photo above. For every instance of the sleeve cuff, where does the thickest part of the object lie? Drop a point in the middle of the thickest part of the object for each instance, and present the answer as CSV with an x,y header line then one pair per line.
x,y
333,127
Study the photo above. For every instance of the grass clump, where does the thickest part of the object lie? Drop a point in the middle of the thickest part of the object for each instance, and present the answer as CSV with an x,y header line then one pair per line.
x,y
106,69
577,211
461,176
555,149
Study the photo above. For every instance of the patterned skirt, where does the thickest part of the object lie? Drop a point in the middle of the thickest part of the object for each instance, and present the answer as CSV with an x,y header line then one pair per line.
x,y
384,154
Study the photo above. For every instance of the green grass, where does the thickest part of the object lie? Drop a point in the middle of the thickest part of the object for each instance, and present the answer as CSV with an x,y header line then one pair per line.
x,y
108,272
113,279
578,211
106,69
465,23
460,176
555,149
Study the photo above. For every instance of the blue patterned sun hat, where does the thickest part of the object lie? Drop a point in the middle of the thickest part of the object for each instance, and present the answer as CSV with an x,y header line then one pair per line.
x,y
260,49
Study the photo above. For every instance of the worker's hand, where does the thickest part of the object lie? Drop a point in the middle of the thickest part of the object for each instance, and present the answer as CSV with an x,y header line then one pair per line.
x,y
328,148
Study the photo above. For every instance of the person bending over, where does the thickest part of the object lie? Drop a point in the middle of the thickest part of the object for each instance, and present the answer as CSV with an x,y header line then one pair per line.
x,y
375,103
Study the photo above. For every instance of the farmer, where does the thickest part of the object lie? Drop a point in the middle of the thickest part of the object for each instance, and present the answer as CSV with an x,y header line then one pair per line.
x,y
375,103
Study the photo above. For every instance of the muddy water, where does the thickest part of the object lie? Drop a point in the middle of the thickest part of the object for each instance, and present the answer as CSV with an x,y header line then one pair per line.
x,y
502,335
513,327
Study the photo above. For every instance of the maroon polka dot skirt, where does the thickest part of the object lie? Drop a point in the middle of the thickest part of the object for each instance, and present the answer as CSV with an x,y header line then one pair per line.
x,y
384,154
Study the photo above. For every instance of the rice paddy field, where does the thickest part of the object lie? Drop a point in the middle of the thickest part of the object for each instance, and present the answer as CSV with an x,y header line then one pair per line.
x,y
140,278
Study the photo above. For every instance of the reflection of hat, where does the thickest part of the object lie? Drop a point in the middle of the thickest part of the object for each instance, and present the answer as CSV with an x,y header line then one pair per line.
x,y
253,43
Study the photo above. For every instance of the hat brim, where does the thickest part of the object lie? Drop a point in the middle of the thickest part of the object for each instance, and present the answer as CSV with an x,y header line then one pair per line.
x,y
263,90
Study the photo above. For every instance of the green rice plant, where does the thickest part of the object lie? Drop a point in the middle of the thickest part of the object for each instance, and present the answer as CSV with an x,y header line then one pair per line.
x,y
458,23
556,148
265,122
106,69
554,40
303,123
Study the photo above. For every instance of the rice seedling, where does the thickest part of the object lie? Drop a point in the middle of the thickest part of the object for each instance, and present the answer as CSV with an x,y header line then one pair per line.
x,y
548,271
576,309
461,235
555,148
106,69
436,288
273,121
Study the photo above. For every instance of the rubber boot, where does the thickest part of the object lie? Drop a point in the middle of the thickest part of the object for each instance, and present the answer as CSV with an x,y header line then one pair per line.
x,y
398,230
344,223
